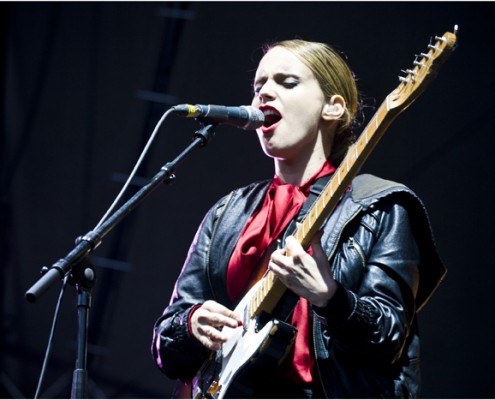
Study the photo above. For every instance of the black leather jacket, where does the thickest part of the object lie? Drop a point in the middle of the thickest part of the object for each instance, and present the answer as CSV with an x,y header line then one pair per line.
x,y
384,259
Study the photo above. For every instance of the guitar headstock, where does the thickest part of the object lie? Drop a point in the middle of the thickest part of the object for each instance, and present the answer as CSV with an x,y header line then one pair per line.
x,y
424,70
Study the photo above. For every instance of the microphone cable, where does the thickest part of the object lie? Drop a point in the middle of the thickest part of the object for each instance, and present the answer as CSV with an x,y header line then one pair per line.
x,y
136,167
50,339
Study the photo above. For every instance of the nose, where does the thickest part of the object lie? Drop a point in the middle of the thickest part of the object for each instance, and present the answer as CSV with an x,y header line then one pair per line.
x,y
266,93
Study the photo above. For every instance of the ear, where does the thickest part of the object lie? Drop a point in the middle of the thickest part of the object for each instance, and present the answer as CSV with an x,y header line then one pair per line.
x,y
334,109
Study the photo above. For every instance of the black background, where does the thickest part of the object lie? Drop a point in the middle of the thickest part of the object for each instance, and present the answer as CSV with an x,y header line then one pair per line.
x,y
75,116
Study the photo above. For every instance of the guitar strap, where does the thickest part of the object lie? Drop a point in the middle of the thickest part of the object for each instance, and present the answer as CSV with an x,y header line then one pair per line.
x,y
283,310
314,192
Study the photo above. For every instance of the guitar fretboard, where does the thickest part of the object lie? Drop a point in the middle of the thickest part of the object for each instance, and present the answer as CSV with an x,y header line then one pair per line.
x,y
271,289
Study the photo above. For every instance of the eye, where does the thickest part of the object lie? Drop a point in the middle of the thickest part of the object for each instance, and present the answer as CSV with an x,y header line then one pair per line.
x,y
290,85
290,82
258,85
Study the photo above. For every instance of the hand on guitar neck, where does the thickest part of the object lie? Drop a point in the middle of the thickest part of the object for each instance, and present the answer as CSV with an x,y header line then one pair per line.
x,y
308,276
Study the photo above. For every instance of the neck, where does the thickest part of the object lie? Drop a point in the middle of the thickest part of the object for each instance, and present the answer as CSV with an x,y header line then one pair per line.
x,y
299,166
297,172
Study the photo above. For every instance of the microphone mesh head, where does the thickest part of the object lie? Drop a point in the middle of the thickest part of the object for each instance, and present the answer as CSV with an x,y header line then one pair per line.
x,y
256,118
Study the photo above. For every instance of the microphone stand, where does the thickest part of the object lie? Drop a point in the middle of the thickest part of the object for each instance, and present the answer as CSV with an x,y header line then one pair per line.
x,y
77,263
83,277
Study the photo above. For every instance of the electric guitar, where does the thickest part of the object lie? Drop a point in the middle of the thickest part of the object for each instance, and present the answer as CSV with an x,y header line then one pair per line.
x,y
255,349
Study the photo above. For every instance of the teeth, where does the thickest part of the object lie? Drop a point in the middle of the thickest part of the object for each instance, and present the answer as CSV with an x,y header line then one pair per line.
x,y
269,111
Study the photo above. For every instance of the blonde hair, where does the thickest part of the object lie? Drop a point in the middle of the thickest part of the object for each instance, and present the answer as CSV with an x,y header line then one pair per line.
x,y
334,77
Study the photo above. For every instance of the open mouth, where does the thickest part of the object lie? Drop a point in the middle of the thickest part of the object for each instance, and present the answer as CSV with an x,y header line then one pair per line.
x,y
272,117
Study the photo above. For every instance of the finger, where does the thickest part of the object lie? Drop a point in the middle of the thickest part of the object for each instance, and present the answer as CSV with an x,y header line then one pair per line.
x,y
219,320
213,334
293,246
277,268
210,336
278,257
317,248
207,338
204,334
207,318
221,314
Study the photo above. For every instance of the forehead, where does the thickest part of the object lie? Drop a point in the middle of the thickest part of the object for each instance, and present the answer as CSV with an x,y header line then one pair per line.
x,y
280,60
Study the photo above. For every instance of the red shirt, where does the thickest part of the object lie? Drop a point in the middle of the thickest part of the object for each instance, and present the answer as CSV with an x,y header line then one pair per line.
x,y
281,205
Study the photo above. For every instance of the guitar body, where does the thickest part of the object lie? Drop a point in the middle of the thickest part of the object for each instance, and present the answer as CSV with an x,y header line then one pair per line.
x,y
252,353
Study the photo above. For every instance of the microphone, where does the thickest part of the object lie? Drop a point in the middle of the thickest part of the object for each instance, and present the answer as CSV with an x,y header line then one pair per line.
x,y
245,117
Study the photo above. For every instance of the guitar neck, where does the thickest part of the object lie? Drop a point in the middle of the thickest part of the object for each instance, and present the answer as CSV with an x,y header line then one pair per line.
x,y
271,289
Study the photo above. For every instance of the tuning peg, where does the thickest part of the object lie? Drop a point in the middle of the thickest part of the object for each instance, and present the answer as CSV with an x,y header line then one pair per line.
x,y
410,73
417,63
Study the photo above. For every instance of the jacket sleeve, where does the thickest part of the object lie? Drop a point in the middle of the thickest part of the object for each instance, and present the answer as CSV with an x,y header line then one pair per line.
x,y
371,317
176,352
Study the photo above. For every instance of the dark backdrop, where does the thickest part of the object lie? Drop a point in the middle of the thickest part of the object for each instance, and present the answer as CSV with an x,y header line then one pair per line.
x,y
85,83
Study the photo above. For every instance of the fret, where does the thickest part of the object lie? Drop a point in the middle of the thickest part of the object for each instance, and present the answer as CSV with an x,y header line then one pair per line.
x,y
312,216
316,205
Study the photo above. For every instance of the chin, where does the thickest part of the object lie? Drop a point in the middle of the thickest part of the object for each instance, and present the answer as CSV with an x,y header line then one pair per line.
x,y
274,152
